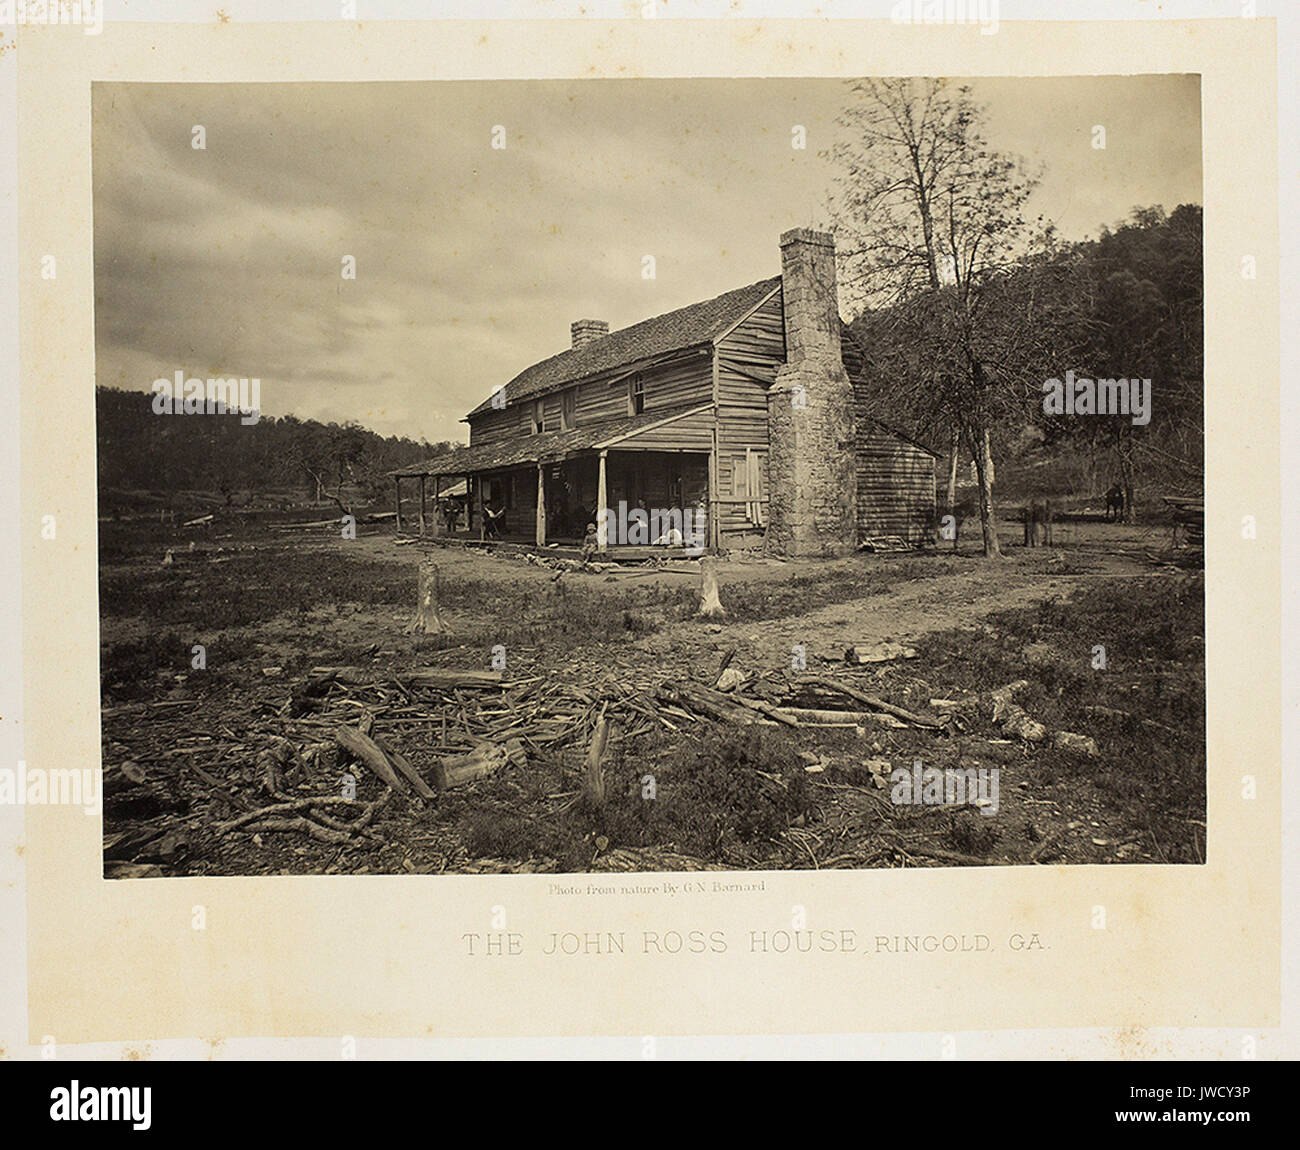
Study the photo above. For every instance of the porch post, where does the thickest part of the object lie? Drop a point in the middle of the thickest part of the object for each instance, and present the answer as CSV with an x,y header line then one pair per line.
x,y
602,506
422,506
541,506
715,526
477,504
437,509
397,484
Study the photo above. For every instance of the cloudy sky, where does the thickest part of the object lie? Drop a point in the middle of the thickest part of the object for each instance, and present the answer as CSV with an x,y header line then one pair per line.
x,y
471,261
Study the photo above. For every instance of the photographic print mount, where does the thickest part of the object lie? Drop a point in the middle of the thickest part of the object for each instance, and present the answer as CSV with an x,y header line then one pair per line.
x,y
731,784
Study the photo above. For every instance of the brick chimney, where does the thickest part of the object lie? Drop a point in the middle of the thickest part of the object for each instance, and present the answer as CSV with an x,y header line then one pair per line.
x,y
811,427
585,331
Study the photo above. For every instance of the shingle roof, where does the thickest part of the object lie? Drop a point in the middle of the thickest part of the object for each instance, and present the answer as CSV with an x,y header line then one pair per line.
x,y
543,448
674,331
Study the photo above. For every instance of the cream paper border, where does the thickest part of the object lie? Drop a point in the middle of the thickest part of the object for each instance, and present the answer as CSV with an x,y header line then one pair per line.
x,y
383,956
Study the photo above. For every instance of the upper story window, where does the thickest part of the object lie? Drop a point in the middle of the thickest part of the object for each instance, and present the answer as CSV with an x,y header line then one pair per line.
x,y
535,416
568,404
635,395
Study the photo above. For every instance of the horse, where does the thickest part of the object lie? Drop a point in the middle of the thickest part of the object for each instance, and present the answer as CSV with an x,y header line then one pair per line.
x,y
1038,516
1115,503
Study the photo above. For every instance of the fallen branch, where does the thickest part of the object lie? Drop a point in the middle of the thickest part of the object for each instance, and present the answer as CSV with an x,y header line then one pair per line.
x,y
407,771
363,749
416,677
872,701
710,703
815,717
781,715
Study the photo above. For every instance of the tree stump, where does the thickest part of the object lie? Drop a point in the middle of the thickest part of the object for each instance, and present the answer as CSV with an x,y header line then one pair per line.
x,y
594,783
427,620
710,605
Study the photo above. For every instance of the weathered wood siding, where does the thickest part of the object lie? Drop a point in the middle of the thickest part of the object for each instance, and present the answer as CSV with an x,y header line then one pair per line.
x,y
550,412
896,494
688,379
690,433
496,425
748,360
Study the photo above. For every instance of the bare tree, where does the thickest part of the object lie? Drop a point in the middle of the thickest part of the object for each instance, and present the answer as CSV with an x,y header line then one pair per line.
x,y
925,208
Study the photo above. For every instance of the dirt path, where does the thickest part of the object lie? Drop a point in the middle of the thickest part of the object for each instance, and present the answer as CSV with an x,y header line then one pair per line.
x,y
903,613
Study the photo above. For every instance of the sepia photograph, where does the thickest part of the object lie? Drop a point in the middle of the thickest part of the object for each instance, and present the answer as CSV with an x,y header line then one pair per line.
x,y
649,475
632,535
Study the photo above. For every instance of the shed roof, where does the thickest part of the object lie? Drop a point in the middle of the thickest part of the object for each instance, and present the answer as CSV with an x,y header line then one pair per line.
x,y
687,327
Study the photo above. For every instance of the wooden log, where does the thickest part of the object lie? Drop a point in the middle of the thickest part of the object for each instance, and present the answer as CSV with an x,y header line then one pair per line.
x,y
404,768
713,704
871,701
710,605
427,620
813,716
885,652
484,760
363,749
770,710
415,677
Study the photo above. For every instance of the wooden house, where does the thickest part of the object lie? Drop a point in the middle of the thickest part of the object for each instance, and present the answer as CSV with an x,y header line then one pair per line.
x,y
738,410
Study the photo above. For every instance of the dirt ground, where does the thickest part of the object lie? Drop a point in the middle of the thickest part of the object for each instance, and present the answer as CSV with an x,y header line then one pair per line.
x,y
185,747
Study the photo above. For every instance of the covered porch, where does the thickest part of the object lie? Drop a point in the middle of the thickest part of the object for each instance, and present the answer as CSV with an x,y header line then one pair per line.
x,y
655,479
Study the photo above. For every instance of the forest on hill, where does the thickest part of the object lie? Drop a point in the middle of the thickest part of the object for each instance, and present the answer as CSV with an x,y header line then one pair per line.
x,y
244,463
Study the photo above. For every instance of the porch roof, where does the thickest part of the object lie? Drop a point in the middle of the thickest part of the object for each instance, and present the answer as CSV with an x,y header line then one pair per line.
x,y
547,447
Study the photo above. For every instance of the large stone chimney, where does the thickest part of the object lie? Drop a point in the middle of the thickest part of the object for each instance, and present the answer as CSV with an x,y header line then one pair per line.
x,y
584,331
812,462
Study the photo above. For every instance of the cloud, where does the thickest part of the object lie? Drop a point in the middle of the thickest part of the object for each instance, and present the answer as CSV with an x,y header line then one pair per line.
x,y
471,261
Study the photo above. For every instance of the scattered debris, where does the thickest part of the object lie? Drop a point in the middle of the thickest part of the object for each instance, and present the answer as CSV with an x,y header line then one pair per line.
x,y
1078,744
885,543
480,762
731,679
883,652
880,770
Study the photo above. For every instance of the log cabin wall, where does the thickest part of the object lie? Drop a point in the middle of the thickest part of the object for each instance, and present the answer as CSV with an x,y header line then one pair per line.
x,y
896,485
